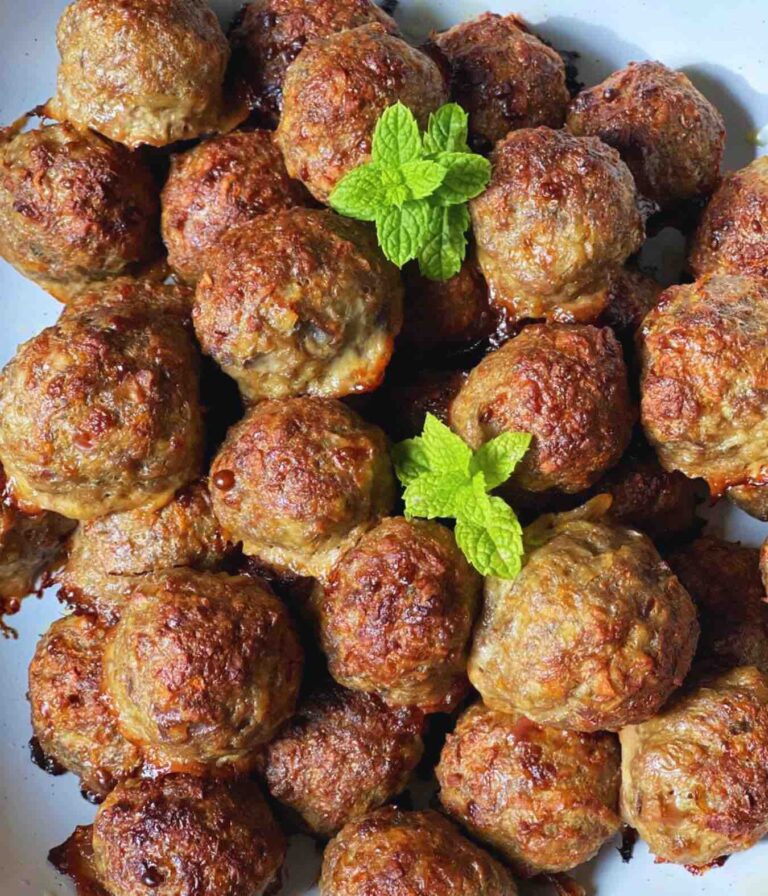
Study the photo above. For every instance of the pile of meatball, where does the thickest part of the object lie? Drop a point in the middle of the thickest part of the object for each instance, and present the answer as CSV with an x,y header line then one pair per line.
x,y
197,454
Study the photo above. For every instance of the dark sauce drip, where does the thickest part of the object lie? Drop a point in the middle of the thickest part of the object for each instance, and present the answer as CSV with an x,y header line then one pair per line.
x,y
224,480
47,763
628,840
152,876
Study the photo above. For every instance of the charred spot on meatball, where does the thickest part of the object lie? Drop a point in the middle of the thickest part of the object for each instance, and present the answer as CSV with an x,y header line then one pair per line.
x,y
669,134
545,799
503,76
396,615
559,217
202,669
300,302
335,92
695,777
566,385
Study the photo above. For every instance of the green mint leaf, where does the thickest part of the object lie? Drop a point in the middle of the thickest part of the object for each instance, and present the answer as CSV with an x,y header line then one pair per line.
x,y
497,459
359,194
448,130
445,247
466,176
446,452
396,139
422,177
489,534
410,460
435,495
401,231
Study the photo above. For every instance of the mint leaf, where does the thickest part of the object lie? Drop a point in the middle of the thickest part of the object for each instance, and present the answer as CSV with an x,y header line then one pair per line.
x,y
489,534
396,139
497,459
422,178
448,130
434,495
410,460
466,176
445,247
446,452
401,231
359,194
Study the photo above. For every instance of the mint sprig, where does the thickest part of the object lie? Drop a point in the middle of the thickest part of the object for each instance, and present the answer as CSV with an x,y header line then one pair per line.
x,y
445,479
416,188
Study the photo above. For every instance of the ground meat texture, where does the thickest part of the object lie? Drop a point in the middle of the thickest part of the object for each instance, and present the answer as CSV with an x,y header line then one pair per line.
x,y
75,209
342,755
566,385
631,295
268,35
300,302
724,581
335,92
178,836
732,236
594,634
142,295
100,413
668,133
202,669
543,798
396,853
396,615
705,380
109,556
503,76
141,71
298,480
219,185
695,777
559,218
752,499
71,716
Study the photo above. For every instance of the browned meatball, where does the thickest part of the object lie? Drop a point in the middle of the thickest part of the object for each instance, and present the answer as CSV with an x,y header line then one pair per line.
x,y
705,380
559,218
109,556
221,184
75,209
594,634
180,836
732,236
133,295
545,799
300,302
396,615
695,777
297,480
396,853
631,295
343,754
335,92
751,498
503,76
566,384
268,35
100,412
141,71
764,564
668,133
202,668
724,581
71,717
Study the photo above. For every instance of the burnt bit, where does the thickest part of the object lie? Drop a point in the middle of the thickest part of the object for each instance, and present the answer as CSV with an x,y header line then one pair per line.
x,y
628,840
698,870
564,885
43,761
74,859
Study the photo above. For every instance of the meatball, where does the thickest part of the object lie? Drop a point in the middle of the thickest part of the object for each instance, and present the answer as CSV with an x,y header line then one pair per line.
x,y
335,92
300,302
594,634
566,384
268,35
100,412
732,236
421,393
75,209
724,581
670,135
764,564
545,799
695,777
297,480
752,499
396,615
631,295
221,184
202,668
503,76
705,369
559,218
396,853
71,718
343,754
141,71
109,556
178,836
127,293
